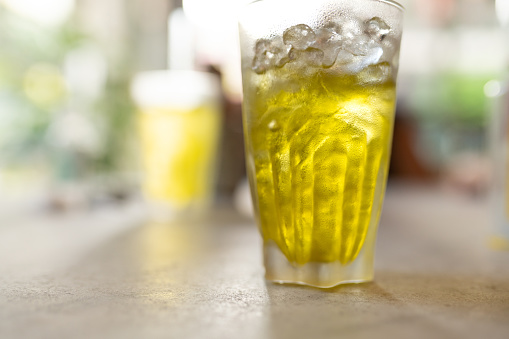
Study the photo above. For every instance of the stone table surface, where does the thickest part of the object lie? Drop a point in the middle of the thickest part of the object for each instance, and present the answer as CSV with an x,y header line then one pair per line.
x,y
108,273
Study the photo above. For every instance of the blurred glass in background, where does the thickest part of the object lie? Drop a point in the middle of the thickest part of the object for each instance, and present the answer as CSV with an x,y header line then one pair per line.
x,y
179,126
68,126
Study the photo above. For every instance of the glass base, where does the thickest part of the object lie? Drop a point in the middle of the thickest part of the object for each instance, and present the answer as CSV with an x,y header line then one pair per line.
x,y
323,275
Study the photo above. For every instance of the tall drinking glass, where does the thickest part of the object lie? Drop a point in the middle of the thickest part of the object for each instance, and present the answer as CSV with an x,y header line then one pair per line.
x,y
319,81
179,126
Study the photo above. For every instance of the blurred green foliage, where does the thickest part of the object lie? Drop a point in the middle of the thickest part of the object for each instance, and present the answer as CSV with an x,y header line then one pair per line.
x,y
451,98
451,112
120,130
33,94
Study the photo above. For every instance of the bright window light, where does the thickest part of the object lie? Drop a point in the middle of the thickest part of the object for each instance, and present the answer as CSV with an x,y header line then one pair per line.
x,y
213,13
47,12
503,11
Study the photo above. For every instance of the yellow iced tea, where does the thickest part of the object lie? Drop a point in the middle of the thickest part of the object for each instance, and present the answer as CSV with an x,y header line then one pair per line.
x,y
318,150
179,146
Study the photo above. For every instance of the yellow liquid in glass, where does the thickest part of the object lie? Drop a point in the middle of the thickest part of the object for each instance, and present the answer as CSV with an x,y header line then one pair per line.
x,y
179,148
318,148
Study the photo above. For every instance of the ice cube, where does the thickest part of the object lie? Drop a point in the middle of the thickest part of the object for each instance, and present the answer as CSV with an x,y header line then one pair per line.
x,y
260,64
344,57
330,33
389,45
330,55
354,39
360,45
351,28
308,57
357,45
325,37
377,29
373,56
375,74
299,36
360,62
269,53
329,40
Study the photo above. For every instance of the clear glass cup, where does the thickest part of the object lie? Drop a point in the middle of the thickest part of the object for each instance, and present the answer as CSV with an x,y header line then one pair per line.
x,y
319,82
179,127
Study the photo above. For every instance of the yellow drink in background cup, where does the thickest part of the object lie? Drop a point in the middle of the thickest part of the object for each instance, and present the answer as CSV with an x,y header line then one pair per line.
x,y
319,82
179,128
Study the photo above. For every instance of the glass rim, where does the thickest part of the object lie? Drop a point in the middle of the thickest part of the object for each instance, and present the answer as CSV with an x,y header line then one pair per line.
x,y
389,2
393,3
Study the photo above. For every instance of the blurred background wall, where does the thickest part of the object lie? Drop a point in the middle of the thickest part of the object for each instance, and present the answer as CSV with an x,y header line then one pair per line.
x,y
68,125
452,52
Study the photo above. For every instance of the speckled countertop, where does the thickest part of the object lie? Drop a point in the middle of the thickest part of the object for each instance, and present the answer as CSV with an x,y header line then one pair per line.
x,y
110,274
